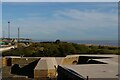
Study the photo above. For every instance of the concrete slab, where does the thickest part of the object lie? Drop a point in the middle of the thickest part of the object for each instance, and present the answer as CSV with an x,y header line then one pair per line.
x,y
109,70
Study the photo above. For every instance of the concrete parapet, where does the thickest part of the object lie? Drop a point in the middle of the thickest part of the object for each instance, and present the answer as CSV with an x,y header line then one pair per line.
x,y
41,69
6,62
46,68
22,61
3,62
68,60
67,74
15,78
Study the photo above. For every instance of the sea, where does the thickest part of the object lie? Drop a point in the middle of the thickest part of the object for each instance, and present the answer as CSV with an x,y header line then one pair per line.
x,y
97,42
94,42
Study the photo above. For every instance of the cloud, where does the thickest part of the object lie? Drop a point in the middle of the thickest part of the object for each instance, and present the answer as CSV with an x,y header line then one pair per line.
x,y
68,24
87,18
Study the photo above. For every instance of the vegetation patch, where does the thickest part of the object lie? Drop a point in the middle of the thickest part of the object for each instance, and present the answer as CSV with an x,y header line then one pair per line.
x,y
59,49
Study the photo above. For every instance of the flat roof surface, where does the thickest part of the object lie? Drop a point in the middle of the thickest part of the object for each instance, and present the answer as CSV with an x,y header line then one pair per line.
x,y
109,70
95,71
89,55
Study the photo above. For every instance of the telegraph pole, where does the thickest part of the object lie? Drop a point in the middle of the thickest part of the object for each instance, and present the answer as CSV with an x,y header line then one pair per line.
x,y
8,29
18,34
3,34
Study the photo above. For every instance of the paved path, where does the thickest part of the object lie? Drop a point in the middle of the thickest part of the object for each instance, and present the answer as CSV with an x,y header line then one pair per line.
x,y
5,49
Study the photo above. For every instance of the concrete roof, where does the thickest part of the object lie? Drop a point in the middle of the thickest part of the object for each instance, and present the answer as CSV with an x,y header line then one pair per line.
x,y
51,63
95,71
89,55
73,55
46,63
42,65
109,70
59,59
12,57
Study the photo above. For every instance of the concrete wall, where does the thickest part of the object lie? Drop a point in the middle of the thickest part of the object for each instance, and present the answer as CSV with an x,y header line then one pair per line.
x,y
40,74
66,74
68,60
15,78
45,69
21,61
3,62
6,62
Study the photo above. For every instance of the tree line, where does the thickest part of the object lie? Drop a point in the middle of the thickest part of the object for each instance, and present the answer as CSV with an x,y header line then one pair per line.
x,y
59,49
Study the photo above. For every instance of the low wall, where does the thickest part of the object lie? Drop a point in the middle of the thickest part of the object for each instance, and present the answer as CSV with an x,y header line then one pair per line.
x,y
45,69
68,60
7,48
66,74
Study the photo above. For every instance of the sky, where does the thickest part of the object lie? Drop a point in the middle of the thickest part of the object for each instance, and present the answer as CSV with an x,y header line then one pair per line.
x,y
60,0
0,19
64,21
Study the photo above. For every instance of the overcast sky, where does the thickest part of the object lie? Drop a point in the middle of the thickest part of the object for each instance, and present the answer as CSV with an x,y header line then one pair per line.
x,y
65,21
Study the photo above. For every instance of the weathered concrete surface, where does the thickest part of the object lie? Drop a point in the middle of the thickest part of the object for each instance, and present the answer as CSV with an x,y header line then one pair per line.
x,y
17,60
69,60
74,59
41,69
109,70
7,48
46,68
